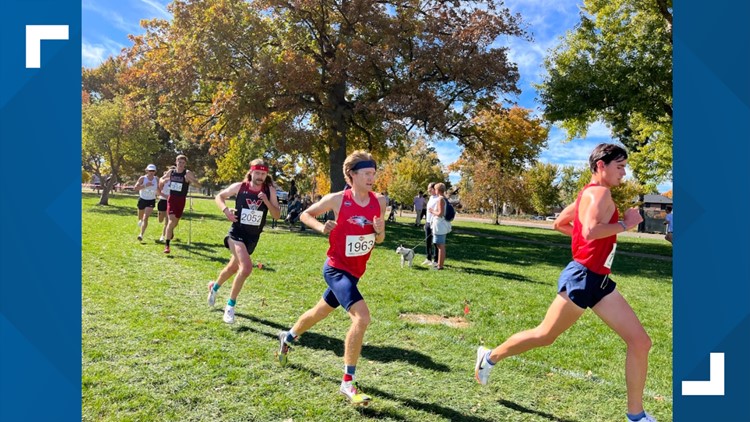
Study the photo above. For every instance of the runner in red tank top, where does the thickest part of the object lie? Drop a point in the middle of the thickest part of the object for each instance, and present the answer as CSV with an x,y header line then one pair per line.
x,y
358,226
585,282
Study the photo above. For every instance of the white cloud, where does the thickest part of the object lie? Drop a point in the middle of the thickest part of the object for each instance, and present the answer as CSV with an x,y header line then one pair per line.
x,y
93,55
154,5
448,151
112,17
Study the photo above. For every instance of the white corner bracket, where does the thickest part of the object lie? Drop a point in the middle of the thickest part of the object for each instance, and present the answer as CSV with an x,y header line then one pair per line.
x,y
715,384
34,36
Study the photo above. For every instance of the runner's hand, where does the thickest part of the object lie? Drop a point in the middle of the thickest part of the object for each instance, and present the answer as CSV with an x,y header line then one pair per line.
x,y
378,224
328,227
229,213
632,217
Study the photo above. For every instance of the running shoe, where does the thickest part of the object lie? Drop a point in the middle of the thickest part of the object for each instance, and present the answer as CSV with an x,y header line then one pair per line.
x,y
229,314
284,348
646,418
352,391
211,294
481,368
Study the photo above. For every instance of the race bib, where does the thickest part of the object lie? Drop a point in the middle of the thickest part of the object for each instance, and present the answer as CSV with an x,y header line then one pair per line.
x,y
175,186
251,217
359,245
611,257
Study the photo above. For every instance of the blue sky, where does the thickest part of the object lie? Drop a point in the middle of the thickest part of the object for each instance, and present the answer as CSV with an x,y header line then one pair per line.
x,y
107,23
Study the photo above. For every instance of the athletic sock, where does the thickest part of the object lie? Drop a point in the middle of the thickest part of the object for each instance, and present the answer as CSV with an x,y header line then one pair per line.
x,y
349,372
637,417
168,242
231,302
216,287
290,336
487,359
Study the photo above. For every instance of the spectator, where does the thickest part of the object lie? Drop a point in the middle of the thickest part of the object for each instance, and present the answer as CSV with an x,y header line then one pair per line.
x,y
668,223
419,203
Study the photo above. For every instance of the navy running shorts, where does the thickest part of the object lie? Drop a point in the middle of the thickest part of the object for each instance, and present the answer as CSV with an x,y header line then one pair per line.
x,y
584,287
342,288
162,205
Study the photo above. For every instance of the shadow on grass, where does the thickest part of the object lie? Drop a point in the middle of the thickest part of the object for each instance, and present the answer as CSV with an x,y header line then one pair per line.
x,y
518,408
478,248
322,342
432,408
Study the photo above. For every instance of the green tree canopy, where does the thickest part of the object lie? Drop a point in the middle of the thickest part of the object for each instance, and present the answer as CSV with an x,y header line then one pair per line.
x,y
118,138
404,176
544,193
616,66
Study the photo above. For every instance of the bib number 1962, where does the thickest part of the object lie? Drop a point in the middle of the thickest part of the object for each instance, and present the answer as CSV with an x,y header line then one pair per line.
x,y
359,245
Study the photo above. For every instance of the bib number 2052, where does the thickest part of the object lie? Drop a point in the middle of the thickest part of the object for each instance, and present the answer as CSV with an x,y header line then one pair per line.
x,y
251,217
359,245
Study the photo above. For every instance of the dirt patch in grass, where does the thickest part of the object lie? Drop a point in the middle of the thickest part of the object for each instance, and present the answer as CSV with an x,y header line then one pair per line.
x,y
456,322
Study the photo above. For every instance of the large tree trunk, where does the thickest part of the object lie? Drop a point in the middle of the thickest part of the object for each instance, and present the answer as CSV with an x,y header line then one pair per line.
x,y
106,187
339,124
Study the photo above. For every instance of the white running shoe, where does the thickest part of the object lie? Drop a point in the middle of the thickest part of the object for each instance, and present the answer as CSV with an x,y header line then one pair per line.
x,y
211,294
284,348
647,418
426,262
140,223
161,239
481,368
351,390
229,314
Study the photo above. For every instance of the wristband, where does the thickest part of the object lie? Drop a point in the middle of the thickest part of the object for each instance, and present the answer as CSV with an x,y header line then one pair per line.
x,y
622,223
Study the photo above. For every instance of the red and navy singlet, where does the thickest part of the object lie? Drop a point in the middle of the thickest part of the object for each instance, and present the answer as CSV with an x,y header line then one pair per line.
x,y
353,238
597,254
178,184
250,210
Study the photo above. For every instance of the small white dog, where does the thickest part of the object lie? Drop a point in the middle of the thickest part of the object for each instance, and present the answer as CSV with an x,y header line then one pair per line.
x,y
406,255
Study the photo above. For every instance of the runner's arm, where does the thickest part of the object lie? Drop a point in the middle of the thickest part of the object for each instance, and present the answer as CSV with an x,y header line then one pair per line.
x,y
192,179
379,225
327,203
273,204
598,207
139,184
563,221
222,196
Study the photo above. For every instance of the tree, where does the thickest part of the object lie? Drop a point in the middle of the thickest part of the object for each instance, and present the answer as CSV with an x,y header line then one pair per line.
x,y
406,175
330,75
543,192
500,144
116,135
616,66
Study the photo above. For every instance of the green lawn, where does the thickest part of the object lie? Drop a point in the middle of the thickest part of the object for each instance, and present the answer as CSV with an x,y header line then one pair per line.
x,y
153,349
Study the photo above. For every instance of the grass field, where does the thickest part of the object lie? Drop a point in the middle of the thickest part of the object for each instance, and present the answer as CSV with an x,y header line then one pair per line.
x,y
153,349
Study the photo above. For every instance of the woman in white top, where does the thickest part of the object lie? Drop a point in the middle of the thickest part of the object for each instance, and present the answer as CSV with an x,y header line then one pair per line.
x,y
432,255
146,188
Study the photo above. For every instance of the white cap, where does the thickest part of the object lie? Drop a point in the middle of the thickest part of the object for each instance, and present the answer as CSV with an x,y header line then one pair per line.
x,y
151,167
